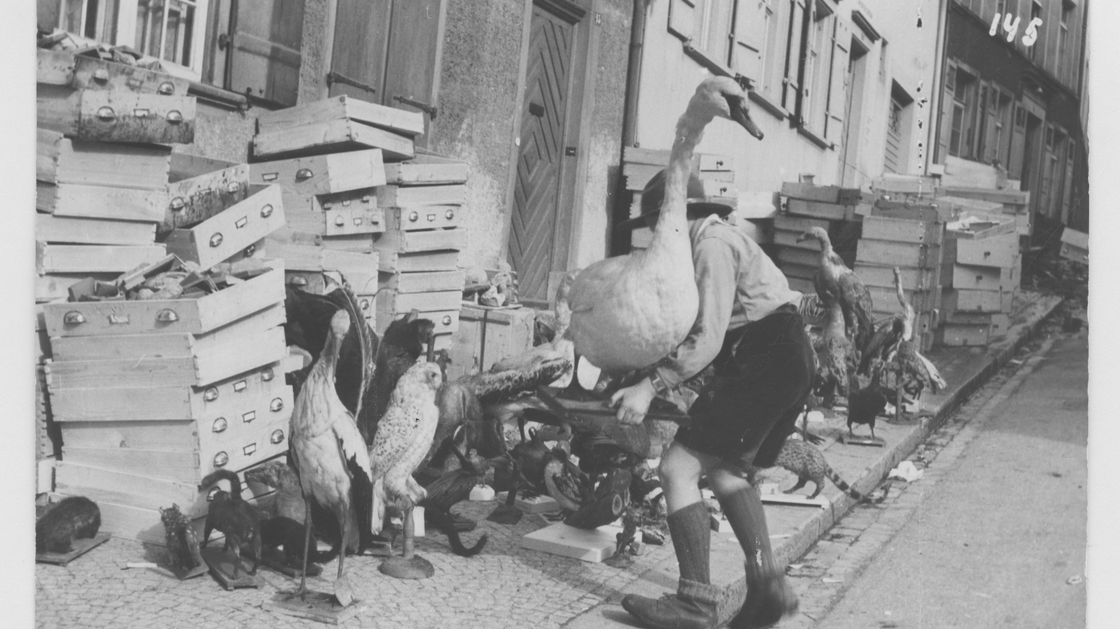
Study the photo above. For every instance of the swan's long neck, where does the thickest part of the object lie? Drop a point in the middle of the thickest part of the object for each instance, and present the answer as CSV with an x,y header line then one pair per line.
x,y
907,310
835,327
673,218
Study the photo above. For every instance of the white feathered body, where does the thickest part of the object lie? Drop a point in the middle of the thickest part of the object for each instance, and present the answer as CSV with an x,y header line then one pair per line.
x,y
403,438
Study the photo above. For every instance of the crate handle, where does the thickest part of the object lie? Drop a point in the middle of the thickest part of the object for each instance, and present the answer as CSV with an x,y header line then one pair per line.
x,y
266,211
277,405
166,88
277,436
241,222
249,449
447,320
106,114
219,425
210,394
413,217
167,316
248,417
450,214
346,203
220,459
74,318
303,173
250,250
267,375
339,220
101,75
216,239
298,281
328,205
174,117
366,198
177,204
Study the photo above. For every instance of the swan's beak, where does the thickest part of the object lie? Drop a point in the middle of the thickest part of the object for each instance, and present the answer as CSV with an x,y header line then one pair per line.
x,y
741,113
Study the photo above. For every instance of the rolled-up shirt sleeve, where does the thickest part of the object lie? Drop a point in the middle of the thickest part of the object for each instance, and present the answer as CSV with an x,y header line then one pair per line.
x,y
716,266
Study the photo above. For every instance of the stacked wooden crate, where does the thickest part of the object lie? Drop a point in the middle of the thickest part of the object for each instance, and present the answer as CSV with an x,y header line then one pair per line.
x,y
1075,246
982,271
908,235
153,395
419,249
100,177
1011,203
717,173
805,206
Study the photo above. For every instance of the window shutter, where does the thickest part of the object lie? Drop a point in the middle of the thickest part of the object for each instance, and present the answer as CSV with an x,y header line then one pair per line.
x,y
414,56
794,56
267,35
1067,189
1018,143
811,56
749,38
991,148
946,125
838,83
361,37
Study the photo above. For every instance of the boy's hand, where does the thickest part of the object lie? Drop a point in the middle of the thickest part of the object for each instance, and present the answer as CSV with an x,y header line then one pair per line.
x,y
633,402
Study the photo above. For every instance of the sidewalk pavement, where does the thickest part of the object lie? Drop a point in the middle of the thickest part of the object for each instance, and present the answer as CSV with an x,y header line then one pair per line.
x,y
506,585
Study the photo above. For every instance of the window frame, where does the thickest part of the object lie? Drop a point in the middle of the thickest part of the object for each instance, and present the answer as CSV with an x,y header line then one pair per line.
x,y
124,33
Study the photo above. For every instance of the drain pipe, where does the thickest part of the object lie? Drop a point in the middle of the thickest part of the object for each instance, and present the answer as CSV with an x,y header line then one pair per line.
x,y
937,89
620,242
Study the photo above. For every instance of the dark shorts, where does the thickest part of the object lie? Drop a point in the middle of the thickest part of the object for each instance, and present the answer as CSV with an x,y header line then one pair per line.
x,y
761,383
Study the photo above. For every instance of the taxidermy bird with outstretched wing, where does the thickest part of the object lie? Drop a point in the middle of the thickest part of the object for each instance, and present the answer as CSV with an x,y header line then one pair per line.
x,y
835,282
403,438
630,311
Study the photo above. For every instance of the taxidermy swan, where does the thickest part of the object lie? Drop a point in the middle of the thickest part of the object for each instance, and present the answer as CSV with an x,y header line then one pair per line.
x,y
628,312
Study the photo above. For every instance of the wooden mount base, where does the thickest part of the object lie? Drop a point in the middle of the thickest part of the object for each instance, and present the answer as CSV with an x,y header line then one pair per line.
x,y
415,567
861,441
317,606
221,566
80,547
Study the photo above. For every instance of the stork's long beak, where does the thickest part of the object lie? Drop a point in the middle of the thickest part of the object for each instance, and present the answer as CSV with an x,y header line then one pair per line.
x,y
741,113
803,237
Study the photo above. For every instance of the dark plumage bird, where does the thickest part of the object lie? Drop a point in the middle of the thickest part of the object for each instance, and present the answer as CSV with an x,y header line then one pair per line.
x,y
448,490
835,282
836,358
329,453
401,345
865,405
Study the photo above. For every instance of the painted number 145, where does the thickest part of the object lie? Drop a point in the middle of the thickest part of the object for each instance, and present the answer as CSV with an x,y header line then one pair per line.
x,y
1011,28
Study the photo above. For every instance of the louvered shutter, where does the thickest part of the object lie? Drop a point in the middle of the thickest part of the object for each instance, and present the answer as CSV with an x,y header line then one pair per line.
x,y
946,124
794,56
749,38
838,81
991,148
414,56
1018,143
681,18
267,35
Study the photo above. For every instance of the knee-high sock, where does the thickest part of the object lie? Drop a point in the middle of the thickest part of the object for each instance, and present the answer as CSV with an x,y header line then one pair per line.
x,y
691,530
743,509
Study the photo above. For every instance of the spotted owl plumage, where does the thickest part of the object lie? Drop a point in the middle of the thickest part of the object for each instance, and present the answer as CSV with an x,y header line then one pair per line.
x,y
404,435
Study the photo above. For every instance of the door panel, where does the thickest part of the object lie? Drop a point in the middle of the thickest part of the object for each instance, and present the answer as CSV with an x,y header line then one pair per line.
x,y
536,191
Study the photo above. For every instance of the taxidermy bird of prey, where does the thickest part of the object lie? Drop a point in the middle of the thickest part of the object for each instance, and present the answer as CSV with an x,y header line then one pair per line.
x,y
834,281
403,438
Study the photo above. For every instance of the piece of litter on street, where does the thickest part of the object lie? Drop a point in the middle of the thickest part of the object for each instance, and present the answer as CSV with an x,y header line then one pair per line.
x,y
796,566
827,580
140,564
906,471
780,536
1015,361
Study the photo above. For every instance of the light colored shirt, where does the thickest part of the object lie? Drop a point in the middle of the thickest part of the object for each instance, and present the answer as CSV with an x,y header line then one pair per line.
x,y
738,284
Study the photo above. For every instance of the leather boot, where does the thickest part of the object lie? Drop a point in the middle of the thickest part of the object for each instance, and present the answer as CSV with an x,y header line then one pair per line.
x,y
693,607
769,599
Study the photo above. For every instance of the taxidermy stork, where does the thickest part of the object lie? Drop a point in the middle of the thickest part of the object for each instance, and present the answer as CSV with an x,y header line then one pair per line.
x,y
330,456
630,311
835,282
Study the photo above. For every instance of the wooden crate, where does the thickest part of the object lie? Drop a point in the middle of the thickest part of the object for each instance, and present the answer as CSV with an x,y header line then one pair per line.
x,y
963,335
1075,246
886,299
56,258
406,262
62,160
799,224
196,199
427,170
188,166
94,74
926,210
419,218
331,136
116,115
801,257
400,241
167,403
87,231
411,196
446,321
887,253
487,335
817,209
421,282
342,108
822,194
393,303
991,301
55,286
901,230
913,278
998,251
800,271
986,278
789,239
195,316
323,174
221,236
106,202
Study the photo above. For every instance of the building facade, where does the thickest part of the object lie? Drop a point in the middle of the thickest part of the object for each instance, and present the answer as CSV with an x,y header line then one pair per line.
x,y
1014,75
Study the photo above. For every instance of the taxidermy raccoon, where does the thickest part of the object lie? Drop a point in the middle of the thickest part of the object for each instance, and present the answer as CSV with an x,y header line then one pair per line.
x,y
72,518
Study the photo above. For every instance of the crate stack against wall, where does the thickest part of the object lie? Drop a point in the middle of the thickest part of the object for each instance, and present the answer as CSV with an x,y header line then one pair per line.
x,y
806,206
1000,204
982,270
907,234
715,171
100,178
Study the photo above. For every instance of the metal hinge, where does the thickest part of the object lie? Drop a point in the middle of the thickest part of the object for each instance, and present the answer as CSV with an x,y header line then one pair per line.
x,y
424,107
334,77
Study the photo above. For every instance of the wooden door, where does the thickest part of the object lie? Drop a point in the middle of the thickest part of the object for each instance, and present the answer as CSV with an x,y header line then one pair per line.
x,y
536,214
266,39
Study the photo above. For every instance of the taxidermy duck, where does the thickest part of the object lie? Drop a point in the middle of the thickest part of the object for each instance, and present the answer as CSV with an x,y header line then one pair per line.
x,y
836,358
835,282
330,456
630,311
